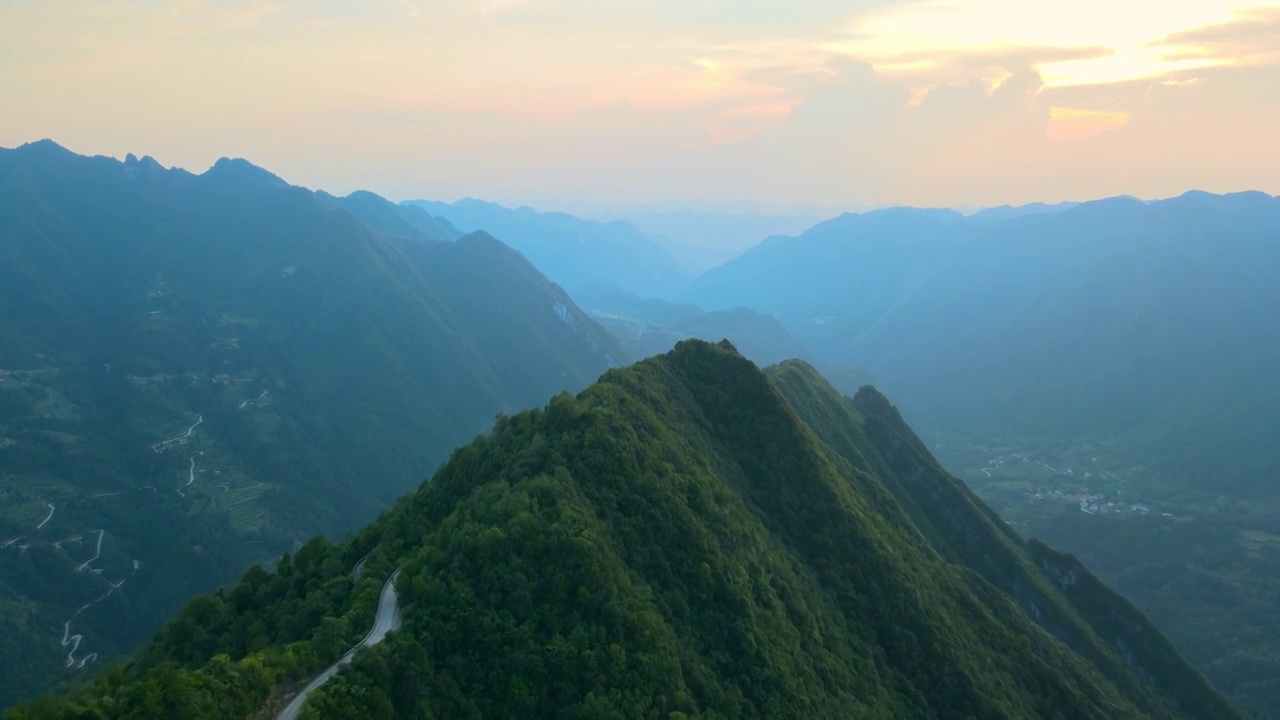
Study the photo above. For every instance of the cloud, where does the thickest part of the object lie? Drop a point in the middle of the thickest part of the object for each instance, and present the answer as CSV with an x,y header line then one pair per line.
x,y
1251,38
1107,41
926,71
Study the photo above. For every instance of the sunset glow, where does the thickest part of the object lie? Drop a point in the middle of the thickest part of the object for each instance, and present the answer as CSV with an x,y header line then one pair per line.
x,y
533,100
1069,124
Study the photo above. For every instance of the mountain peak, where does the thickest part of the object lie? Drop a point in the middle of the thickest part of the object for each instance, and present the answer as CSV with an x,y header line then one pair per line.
x,y
44,145
1233,202
239,170
367,196
146,162
480,238
45,149
696,345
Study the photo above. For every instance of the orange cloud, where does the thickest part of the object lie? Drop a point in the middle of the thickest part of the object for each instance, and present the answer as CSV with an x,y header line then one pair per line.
x,y
1072,124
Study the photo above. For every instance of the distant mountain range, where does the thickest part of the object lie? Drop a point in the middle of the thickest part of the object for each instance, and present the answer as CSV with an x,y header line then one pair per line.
x,y
650,326
199,371
579,255
689,537
1102,312
702,239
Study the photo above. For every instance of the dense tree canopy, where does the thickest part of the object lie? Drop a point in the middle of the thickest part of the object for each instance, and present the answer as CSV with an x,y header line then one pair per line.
x,y
687,538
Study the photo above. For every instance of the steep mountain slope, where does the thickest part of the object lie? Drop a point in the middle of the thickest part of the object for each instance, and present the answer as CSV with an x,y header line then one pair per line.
x,y
197,370
1080,611
1102,373
578,254
686,538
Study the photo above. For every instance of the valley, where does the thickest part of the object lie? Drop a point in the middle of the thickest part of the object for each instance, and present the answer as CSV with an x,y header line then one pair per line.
x,y
201,384
639,360
1201,564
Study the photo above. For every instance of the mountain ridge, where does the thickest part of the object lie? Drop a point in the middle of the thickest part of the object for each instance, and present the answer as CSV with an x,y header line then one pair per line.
x,y
676,539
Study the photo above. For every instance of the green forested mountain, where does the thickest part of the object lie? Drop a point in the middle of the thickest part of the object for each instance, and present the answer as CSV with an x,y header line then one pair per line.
x,y
1115,354
689,537
198,370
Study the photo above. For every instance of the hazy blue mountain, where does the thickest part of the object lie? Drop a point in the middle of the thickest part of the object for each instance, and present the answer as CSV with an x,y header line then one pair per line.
x,y
1102,312
690,537
398,222
580,255
849,270
1133,341
1009,212
650,326
703,239
196,371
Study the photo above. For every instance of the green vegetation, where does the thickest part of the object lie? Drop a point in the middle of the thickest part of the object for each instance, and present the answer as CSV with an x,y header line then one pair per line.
x,y
1201,564
1138,333
205,370
689,537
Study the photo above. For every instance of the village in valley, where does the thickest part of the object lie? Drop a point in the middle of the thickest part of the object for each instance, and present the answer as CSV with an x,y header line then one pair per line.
x,y
1022,478
1090,502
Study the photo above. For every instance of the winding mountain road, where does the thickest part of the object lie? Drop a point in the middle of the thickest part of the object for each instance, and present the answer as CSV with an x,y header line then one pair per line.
x,y
47,517
254,401
191,475
358,570
384,621
97,553
160,446
74,639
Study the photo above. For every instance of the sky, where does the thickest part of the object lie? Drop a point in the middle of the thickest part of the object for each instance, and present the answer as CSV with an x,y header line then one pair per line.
x,y
853,102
